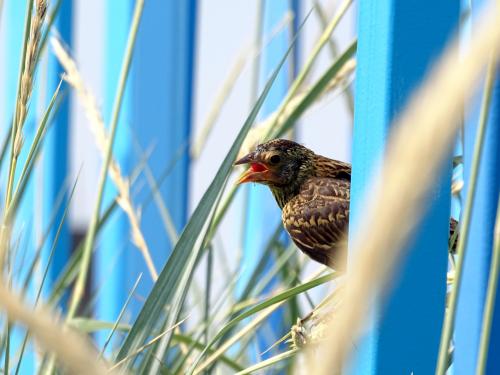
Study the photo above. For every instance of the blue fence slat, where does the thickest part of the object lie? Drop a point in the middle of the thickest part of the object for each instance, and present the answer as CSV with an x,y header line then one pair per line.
x,y
263,213
161,115
56,157
479,246
110,274
156,115
398,40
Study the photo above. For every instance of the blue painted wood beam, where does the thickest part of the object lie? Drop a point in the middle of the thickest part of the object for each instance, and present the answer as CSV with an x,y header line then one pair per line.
x,y
110,276
56,157
479,246
156,113
398,41
161,107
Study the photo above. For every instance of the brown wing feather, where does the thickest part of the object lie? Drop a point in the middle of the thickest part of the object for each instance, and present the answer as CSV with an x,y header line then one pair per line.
x,y
317,219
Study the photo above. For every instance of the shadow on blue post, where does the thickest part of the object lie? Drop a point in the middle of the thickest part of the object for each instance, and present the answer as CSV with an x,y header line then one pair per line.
x,y
397,43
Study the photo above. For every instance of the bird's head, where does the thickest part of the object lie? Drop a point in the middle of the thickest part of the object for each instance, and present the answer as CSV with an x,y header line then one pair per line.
x,y
278,163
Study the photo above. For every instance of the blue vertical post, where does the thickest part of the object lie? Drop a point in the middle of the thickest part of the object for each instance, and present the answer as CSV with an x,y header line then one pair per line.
x,y
110,272
398,41
56,157
263,212
156,112
163,74
480,243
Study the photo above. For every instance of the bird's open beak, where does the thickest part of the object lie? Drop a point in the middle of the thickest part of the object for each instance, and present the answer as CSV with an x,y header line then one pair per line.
x,y
256,173
248,158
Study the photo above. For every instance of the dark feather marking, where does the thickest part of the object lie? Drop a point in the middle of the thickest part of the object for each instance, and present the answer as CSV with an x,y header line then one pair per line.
x,y
323,206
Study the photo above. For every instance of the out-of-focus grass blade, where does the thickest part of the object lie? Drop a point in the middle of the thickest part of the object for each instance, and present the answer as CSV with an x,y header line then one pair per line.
x,y
185,339
5,143
449,320
32,154
47,266
323,20
261,306
70,271
50,22
315,91
268,362
489,305
172,284
151,342
92,325
120,316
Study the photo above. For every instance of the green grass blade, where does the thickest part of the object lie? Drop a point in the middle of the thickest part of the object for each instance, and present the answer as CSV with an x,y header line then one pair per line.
x,y
32,154
208,289
50,22
179,338
7,348
268,362
173,281
5,143
449,320
142,348
315,92
92,325
90,238
120,315
280,297
47,267
38,252
489,306
323,20
15,125
281,260
70,271
260,265
304,72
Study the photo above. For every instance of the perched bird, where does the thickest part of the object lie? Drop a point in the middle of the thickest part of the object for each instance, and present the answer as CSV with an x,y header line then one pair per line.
x,y
313,193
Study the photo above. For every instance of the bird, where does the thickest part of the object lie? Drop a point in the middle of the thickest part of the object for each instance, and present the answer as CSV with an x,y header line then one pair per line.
x,y
313,193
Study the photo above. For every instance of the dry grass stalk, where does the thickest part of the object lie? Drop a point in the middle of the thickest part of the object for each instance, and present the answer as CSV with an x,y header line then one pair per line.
x,y
248,328
25,90
148,344
72,350
427,127
98,129
260,131
27,76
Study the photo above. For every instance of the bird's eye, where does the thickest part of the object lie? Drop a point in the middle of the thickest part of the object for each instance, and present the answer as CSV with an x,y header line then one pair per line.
x,y
275,159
